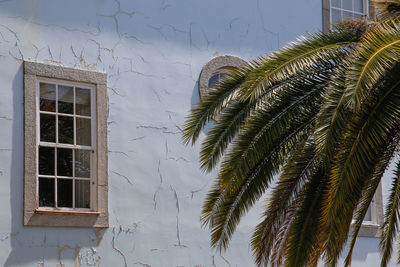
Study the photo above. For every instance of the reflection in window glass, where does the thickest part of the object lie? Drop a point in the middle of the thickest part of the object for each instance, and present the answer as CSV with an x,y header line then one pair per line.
x,y
82,163
47,128
64,162
83,132
65,99
47,97
65,129
46,160
82,194
215,79
64,193
83,101
46,192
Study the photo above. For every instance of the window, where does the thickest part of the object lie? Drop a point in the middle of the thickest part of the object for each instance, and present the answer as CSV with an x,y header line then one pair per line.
x,y
215,69
66,119
65,147
373,219
334,11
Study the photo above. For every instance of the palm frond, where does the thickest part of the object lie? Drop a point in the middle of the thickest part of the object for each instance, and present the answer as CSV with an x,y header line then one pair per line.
x,y
369,131
376,54
284,197
234,116
305,231
224,209
302,55
387,10
369,193
390,225
213,103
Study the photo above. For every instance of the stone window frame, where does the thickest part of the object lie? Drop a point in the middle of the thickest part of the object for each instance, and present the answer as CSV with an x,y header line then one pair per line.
x,y
98,216
215,64
326,13
373,229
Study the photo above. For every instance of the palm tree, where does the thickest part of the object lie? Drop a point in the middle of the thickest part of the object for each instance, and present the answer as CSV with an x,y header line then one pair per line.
x,y
321,118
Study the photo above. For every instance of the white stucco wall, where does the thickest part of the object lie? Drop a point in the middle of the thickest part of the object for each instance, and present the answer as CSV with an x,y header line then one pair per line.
x,y
153,52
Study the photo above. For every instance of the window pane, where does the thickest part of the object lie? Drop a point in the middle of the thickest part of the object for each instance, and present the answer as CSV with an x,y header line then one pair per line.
x,y
82,163
83,101
213,80
348,4
83,132
368,216
64,193
336,15
65,130
48,97
64,162
359,6
65,99
347,15
47,128
82,194
46,160
46,192
336,3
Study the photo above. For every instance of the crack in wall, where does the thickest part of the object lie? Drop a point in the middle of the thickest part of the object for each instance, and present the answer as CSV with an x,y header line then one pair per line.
x,y
158,188
116,249
127,179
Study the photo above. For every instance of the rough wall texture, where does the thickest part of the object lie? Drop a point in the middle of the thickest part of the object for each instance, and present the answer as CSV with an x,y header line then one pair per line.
x,y
153,52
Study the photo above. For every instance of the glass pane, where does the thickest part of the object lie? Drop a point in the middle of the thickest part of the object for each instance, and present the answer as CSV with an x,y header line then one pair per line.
x,y
82,163
336,3
46,160
83,132
64,193
348,4
46,192
64,162
368,216
82,194
65,99
47,128
336,15
65,130
47,97
347,15
83,101
359,6
213,80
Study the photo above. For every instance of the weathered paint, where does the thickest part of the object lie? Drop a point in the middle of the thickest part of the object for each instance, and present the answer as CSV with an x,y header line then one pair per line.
x,y
153,52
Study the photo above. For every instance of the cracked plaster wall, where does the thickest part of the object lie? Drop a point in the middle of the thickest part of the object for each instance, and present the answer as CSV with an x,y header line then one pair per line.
x,y
153,52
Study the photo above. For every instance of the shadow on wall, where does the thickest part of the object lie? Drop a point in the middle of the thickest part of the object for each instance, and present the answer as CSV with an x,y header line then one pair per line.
x,y
41,246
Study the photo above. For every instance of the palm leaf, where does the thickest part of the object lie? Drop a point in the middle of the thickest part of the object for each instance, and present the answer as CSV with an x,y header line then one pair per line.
x,y
369,131
300,56
369,193
390,225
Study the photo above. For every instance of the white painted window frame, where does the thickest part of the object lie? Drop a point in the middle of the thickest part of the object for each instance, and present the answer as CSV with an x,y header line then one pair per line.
x,y
364,13
92,148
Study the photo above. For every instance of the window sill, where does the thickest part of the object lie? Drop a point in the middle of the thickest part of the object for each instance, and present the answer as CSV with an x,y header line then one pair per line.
x,y
73,212
368,230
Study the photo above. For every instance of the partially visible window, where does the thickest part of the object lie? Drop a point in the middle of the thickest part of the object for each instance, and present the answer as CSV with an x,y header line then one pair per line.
x,y
373,219
65,124
215,69
334,11
348,9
